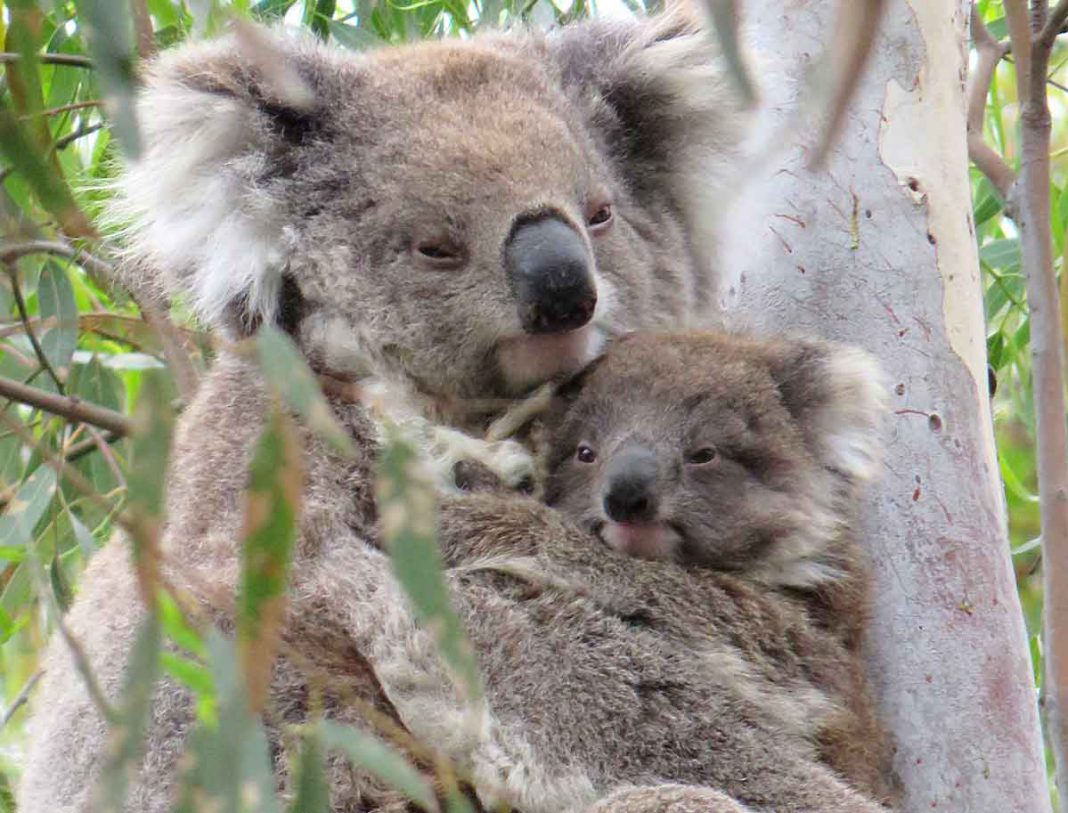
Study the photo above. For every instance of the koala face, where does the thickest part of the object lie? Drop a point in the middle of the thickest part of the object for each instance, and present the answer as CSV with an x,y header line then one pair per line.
x,y
477,216
716,450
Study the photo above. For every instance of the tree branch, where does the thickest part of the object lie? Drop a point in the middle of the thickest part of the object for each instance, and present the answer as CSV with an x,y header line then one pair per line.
x,y
1019,24
66,406
71,60
1054,25
101,270
1031,202
985,157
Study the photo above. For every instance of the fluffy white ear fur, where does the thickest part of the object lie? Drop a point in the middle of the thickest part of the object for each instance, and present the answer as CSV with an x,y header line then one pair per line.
x,y
189,206
847,427
704,124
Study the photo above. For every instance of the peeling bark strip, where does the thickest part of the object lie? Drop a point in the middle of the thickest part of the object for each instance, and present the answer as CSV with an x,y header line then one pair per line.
x,y
888,261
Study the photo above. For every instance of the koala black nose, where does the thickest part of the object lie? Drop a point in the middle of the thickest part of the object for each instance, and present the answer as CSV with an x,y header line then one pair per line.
x,y
549,269
630,486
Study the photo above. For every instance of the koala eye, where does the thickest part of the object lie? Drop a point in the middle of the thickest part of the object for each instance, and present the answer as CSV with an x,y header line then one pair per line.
x,y
585,454
439,253
702,457
600,220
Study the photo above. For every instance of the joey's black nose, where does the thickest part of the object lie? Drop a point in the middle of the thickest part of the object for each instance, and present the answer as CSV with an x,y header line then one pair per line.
x,y
630,486
549,269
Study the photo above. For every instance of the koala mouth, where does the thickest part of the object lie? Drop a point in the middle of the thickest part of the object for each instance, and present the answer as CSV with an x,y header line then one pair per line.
x,y
647,540
528,360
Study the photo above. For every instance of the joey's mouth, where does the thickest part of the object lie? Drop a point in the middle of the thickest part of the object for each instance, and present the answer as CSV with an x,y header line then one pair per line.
x,y
648,540
527,360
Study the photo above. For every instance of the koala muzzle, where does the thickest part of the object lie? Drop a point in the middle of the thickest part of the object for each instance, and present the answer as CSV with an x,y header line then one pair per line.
x,y
630,493
548,266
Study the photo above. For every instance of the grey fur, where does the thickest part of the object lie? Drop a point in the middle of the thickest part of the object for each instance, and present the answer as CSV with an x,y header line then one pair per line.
x,y
258,200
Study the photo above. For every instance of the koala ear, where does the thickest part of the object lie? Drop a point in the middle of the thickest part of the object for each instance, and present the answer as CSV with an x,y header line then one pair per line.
x,y
221,122
658,93
839,396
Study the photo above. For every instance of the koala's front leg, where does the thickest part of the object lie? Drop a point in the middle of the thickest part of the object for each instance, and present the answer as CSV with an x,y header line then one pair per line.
x,y
667,799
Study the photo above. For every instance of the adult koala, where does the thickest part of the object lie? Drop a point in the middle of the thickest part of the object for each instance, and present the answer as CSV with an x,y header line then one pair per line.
x,y
468,218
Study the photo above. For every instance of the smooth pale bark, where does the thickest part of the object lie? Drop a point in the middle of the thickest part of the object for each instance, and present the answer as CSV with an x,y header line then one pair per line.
x,y
878,249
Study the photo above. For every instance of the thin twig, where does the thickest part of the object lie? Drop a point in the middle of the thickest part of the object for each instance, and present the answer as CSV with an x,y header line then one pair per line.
x,y
24,316
20,698
96,267
985,157
81,132
69,108
73,60
66,406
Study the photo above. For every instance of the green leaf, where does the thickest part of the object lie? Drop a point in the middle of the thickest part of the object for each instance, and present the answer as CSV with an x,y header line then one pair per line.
x,y
56,302
96,384
1003,255
352,37
317,16
189,673
124,748
288,375
61,587
378,759
408,519
227,764
271,10
272,504
111,45
27,507
313,792
987,202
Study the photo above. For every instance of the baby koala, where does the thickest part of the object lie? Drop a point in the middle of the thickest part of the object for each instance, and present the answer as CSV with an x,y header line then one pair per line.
x,y
718,450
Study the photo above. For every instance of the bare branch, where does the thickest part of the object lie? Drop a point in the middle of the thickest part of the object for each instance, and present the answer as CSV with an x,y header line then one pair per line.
x,y
985,157
1054,25
1031,203
72,60
99,269
66,406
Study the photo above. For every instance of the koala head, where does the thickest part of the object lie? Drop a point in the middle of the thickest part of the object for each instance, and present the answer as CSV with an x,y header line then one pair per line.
x,y
718,450
476,216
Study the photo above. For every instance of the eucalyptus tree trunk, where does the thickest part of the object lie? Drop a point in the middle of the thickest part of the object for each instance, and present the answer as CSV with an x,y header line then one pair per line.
x,y
878,249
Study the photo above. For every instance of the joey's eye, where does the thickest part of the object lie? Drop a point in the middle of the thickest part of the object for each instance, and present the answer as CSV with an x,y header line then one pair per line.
x,y
438,253
585,453
601,219
702,457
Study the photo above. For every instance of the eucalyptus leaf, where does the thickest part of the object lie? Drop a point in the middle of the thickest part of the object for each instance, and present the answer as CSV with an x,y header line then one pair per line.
x,y
288,374
408,520
380,760
27,507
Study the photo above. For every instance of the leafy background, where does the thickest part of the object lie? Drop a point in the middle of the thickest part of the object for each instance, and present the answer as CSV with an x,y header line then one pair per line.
x,y
66,330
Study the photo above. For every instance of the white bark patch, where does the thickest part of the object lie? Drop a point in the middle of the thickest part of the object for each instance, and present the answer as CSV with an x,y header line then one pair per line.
x,y
935,175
